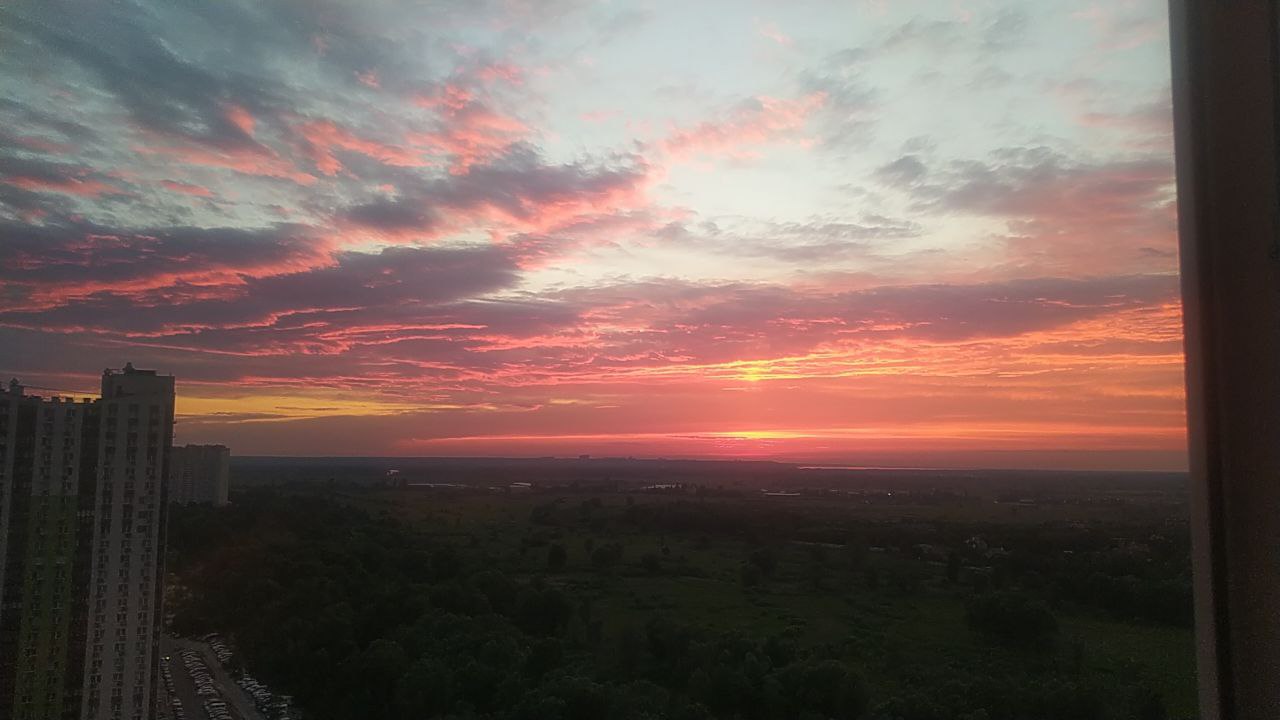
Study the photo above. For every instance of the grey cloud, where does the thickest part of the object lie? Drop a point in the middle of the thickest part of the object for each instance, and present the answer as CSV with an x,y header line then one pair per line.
x,y
1005,30
903,172
815,242
20,114
519,184
848,113
393,215
724,322
373,286
930,34
163,90
72,254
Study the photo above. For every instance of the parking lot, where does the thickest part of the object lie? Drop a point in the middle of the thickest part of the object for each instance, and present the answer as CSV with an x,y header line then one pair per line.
x,y
192,676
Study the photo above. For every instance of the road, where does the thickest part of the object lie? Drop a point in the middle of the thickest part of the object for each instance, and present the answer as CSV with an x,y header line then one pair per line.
x,y
241,704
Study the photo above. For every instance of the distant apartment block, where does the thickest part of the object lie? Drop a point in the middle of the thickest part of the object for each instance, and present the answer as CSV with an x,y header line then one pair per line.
x,y
200,474
82,512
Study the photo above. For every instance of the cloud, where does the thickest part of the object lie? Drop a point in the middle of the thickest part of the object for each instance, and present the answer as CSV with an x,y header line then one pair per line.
x,y
324,137
1145,126
1062,213
469,132
52,265
519,192
771,32
922,33
849,110
164,92
394,216
854,103
43,176
927,312
740,133
454,311
995,31
19,114
150,290
903,172
187,188
472,123
1124,24
807,244
253,161
1006,29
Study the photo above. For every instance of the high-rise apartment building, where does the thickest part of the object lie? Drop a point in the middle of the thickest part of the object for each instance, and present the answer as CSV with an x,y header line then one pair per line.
x,y
82,512
200,474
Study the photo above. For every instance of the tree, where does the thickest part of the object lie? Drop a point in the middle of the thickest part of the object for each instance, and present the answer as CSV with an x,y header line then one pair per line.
x,y
630,649
826,687
607,555
652,563
543,611
1013,619
857,551
556,557
763,559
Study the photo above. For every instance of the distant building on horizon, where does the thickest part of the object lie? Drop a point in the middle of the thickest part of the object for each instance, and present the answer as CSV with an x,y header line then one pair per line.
x,y
200,474
82,513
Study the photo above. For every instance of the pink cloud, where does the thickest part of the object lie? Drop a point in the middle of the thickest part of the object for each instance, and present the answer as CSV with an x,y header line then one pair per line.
x,y
527,198
255,161
66,185
500,72
761,121
469,131
60,266
325,136
472,125
771,32
452,96
598,116
241,118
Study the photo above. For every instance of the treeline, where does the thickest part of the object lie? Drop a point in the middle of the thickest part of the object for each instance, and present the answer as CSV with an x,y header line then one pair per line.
x,y
1136,572
363,616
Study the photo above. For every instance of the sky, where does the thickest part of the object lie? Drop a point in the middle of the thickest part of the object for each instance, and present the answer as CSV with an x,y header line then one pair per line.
x,y
919,232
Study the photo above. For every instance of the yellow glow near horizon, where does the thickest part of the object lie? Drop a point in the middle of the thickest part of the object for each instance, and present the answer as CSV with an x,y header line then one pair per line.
x,y
276,407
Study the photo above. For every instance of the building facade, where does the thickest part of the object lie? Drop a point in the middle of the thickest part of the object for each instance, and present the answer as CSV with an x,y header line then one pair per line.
x,y
82,511
200,474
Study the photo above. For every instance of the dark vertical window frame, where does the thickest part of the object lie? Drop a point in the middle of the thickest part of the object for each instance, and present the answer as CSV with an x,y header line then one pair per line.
x,y
1226,90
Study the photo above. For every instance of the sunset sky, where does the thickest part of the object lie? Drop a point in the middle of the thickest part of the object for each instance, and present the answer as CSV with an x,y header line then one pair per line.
x,y
842,231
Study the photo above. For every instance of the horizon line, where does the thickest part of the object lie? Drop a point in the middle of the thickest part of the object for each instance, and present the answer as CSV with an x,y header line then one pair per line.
x,y
798,465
